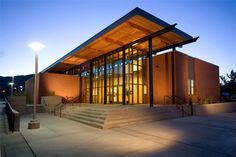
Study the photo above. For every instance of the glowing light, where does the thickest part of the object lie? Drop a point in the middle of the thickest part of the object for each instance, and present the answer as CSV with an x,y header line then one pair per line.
x,y
11,83
135,44
36,46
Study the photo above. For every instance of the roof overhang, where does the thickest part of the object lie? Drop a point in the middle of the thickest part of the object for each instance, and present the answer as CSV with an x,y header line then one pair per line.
x,y
135,25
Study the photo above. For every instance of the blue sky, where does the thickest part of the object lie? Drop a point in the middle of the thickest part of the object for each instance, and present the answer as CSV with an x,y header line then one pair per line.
x,y
62,25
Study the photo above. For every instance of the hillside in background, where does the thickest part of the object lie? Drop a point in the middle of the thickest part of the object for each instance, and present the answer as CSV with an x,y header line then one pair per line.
x,y
19,84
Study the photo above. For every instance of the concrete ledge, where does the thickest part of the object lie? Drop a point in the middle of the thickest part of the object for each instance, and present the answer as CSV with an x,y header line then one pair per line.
x,y
39,108
18,103
216,108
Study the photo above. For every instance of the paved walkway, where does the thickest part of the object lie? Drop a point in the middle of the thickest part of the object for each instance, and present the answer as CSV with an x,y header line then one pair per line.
x,y
209,136
11,144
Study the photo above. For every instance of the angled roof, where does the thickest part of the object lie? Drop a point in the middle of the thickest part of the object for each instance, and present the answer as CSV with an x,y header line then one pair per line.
x,y
134,25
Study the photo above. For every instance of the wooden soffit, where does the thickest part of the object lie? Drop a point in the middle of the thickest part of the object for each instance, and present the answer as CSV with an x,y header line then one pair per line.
x,y
133,26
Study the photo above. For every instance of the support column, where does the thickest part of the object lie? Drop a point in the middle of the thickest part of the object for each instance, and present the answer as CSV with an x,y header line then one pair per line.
x,y
105,79
173,76
123,77
80,83
91,83
150,72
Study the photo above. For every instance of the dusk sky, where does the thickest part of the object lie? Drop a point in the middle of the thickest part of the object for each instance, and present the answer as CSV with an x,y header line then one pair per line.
x,y
62,25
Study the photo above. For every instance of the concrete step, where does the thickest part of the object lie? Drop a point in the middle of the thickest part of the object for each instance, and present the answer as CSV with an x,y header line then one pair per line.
x,y
87,111
85,117
100,110
117,116
103,117
91,115
90,123
110,119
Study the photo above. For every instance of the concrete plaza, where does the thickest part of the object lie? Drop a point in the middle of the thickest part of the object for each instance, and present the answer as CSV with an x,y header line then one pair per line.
x,y
191,137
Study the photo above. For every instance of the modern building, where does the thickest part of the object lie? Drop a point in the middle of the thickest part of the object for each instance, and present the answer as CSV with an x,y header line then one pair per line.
x,y
124,64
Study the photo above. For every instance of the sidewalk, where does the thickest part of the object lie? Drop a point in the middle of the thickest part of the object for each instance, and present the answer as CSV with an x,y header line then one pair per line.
x,y
12,144
192,137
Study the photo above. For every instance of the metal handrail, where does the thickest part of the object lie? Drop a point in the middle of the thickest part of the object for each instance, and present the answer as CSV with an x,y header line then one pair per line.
x,y
56,107
13,117
180,105
61,106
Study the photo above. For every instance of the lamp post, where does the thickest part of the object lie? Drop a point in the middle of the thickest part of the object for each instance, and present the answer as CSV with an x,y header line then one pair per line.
x,y
12,74
11,84
36,47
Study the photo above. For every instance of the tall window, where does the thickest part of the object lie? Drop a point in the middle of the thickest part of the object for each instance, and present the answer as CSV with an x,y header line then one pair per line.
x,y
85,82
98,81
190,76
190,87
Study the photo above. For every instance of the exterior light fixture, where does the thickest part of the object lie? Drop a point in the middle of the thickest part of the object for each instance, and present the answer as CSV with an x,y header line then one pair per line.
x,y
11,84
36,46
12,74
135,44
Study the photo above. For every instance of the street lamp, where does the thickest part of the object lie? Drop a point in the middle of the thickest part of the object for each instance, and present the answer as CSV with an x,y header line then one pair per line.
x,y
12,74
12,84
36,47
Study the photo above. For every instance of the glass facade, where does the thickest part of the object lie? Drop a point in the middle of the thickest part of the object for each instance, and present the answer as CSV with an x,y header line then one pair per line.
x,y
98,81
105,83
114,77
135,76
85,83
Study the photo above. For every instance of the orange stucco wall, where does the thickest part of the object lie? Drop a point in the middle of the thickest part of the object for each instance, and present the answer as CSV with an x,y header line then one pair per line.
x,y
54,85
207,81
206,78
161,77
181,75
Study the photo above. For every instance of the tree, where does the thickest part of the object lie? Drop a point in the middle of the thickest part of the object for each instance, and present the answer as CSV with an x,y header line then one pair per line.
x,y
223,79
228,88
231,77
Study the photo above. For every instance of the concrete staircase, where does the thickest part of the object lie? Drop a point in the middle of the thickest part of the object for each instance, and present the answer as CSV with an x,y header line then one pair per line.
x,y
130,116
87,115
118,116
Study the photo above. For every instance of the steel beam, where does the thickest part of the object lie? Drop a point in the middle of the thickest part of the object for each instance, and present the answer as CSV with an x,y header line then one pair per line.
x,y
91,83
105,79
80,83
176,45
173,75
123,77
150,72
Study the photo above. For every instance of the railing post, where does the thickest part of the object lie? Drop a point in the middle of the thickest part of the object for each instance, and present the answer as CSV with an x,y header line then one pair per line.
x,y
191,108
182,108
60,111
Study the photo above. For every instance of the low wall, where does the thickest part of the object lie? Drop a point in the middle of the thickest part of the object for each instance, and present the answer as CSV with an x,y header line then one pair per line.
x,y
50,102
18,103
29,109
215,108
